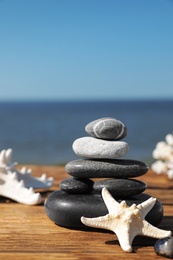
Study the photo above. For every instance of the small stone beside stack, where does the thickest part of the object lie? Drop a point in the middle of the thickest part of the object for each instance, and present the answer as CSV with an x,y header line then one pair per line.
x,y
100,153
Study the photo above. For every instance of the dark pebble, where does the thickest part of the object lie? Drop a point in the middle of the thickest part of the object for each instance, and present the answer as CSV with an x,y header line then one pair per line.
x,y
164,247
74,185
67,209
107,128
121,187
118,168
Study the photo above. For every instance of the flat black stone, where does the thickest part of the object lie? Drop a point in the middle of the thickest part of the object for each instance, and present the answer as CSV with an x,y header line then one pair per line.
x,y
67,209
117,168
76,185
121,187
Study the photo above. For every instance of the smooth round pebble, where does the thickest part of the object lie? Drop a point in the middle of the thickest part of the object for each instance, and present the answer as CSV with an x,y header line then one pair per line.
x,y
107,128
121,187
118,168
164,247
67,209
90,147
75,186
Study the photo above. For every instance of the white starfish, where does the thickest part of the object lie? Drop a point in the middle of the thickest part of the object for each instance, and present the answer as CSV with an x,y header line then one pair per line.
x,y
126,222
18,185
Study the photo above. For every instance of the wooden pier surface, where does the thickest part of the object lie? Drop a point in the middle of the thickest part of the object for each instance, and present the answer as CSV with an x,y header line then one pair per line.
x,y
26,233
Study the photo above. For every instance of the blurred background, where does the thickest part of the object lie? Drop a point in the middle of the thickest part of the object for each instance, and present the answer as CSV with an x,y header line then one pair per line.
x,y
64,63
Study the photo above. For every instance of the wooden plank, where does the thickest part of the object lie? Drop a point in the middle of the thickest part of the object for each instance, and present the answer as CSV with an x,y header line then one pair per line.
x,y
27,233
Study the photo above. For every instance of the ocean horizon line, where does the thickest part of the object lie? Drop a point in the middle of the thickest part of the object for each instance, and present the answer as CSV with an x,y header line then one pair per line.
x,y
149,99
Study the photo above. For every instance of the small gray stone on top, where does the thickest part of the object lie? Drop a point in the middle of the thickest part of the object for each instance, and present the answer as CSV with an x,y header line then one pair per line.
x,y
90,147
106,128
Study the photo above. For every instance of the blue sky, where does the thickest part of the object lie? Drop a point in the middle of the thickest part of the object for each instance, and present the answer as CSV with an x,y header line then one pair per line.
x,y
86,49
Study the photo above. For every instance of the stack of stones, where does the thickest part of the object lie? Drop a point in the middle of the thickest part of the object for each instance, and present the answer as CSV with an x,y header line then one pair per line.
x,y
100,152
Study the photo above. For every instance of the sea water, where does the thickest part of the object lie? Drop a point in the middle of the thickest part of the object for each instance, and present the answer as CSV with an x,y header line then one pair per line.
x,y
43,132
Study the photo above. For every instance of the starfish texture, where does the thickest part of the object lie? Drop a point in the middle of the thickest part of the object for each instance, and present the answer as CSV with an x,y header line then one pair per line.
x,y
126,222
19,185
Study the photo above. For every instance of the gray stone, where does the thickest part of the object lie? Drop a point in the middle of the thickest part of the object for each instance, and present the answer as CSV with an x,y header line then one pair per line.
x,y
90,147
67,209
121,187
118,168
107,128
164,247
76,185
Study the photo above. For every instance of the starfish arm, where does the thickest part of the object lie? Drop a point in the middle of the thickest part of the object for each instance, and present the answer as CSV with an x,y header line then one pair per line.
x,y
151,231
109,201
146,206
125,239
99,222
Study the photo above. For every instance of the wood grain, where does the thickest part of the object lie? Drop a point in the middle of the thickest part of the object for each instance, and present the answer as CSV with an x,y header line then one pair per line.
x,y
27,233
